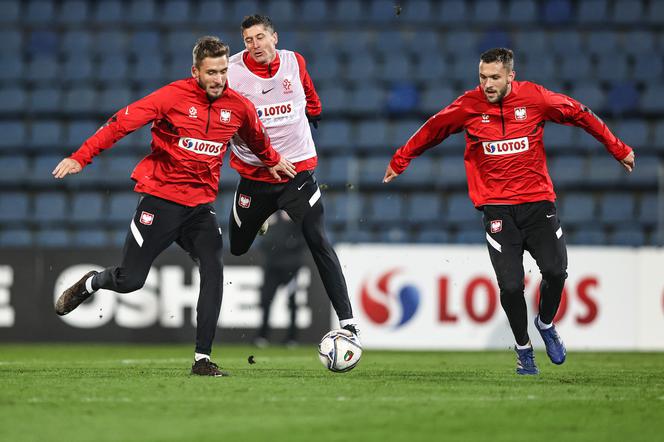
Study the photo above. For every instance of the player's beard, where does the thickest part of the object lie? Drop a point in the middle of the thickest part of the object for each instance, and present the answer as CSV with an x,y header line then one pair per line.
x,y
499,95
205,88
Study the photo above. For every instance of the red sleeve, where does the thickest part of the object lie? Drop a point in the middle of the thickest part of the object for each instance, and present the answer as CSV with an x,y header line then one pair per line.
x,y
313,101
254,134
562,109
445,123
124,122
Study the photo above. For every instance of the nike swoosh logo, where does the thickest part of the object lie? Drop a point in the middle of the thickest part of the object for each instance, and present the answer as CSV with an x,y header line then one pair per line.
x,y
300,188
127,111
551,216
265,92
214,213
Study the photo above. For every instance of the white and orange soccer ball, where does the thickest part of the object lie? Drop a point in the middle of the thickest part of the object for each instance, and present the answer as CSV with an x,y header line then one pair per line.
x,y
339,351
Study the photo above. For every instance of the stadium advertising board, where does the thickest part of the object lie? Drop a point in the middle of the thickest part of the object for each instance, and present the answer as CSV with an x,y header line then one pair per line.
x,y
446,297
164,310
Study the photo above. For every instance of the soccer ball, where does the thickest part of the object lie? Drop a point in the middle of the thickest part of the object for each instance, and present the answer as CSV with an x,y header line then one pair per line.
x,y
339,351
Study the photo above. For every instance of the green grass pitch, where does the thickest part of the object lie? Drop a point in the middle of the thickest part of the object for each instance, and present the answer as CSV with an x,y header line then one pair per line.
x,y
145,393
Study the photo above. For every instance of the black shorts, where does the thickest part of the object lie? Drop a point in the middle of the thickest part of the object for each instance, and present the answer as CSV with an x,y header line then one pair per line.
x,y
255,201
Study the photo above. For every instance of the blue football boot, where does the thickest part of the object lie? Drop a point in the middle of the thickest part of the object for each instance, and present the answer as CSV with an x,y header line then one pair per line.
x,y
525,361
555,347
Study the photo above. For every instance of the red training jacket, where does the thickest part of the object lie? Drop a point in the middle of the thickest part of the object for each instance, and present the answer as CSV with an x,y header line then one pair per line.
x,y
504,157
190,135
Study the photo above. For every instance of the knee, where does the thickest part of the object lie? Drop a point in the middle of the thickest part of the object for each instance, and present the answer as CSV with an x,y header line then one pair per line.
x,y
555,276
510,291
238,250
130,284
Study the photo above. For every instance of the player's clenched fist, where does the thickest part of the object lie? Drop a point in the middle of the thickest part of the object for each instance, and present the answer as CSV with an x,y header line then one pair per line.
x,y
65,167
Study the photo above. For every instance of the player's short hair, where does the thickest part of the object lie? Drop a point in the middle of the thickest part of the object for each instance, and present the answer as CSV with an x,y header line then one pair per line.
x,y
500,55
209,46
257,19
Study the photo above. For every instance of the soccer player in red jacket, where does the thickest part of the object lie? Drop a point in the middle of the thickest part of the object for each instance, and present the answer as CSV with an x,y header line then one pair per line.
x,y
508,180
192,122
278,84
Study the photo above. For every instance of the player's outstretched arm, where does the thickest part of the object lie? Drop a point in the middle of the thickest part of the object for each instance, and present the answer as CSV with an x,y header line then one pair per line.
x,y
628,162
65,167
390,174
283,166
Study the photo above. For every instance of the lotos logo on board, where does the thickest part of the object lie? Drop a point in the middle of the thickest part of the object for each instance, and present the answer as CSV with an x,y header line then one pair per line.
x,y
275,110
385,304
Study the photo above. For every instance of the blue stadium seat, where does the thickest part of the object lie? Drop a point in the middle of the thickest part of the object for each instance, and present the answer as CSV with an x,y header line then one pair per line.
x,y
558,138
80,100
360,67
242,8
432,236
592,236
451,171
357,236
367,98
113,69
395,69
647,67
42,166
530,43
49,207
415,11
522,12
373,134
567,43
42,43
646,172
112,99
638,42
491,39
118,237
421,172
179,67
14,135
80,130
623,97
121,208
77,70
108,12
282,12
373,170
402,130
142,42
11,12
589,94
470,234
12,68
12,99
14,207
335,98
53,237
628,236
111,43
119,168
647,209
605,171
394,234
141,12
577,208
323,69
486,11
655,12
557,11
334,135
44,68
424,208
385,207
174,12
11,41
616,208
428,69
436,97
148,68
460,210
45,99
74,12
76,44
575,69
602,43
15,237
316,11
340,208
453,12
39,12
90,238
46,135
348,11
540,69
461,43
651,99
178,42
613,68
87,207
593,11
210,12
628,12
567,170
383,13
336,170
13,169
633,132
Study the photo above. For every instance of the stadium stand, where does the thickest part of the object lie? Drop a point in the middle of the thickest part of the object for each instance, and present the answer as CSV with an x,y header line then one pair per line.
x,y
68,65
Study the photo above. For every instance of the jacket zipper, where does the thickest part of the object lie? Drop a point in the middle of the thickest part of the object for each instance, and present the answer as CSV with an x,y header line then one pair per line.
x,y
207,125
502,119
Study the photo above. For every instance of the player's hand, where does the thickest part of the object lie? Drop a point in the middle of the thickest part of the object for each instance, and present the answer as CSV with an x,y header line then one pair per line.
x,y
283,166
66,167
628,162
390,174
314,119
